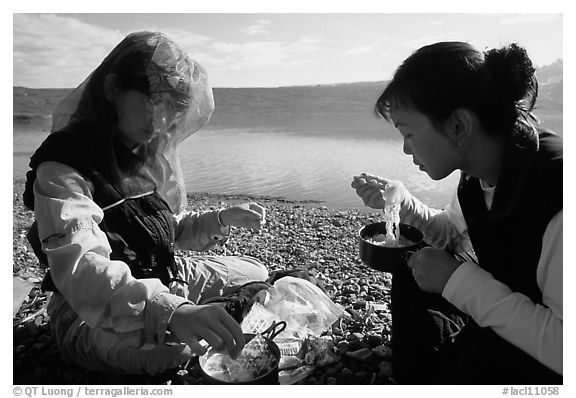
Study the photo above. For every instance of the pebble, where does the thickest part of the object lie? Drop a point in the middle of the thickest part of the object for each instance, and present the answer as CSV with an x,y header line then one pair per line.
x,y
363,354
346,372
374,340
382,351
39,346
331,371
385,369
359,304
33,329
355,344
362,374
343,345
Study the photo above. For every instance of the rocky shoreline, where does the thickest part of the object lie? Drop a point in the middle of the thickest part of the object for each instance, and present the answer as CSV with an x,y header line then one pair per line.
x,y
303,235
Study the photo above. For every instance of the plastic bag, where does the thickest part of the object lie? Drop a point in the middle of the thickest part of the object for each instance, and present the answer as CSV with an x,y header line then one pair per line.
x,y
302,305
258,319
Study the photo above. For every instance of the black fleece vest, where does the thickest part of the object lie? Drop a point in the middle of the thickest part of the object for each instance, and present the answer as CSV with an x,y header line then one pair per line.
x,y
140,230
507,239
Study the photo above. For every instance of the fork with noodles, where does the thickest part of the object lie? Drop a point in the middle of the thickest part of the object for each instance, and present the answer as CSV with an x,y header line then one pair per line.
x,y
391,215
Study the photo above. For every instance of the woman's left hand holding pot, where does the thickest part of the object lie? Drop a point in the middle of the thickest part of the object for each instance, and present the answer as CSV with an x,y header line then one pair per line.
x,y
432,268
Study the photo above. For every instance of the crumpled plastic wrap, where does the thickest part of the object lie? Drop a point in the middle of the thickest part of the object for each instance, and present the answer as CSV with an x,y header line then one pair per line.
x,y
305,308
308,312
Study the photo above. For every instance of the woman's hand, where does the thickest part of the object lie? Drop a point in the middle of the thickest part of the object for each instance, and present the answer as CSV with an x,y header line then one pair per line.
x,y
191,323
376,191
432,268
248,215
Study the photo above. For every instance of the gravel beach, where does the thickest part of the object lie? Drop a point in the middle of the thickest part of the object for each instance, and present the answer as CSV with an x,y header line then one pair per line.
x,y
303,235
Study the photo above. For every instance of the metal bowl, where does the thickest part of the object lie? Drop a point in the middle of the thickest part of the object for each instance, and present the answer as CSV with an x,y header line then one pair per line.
x,y
270,377
384,258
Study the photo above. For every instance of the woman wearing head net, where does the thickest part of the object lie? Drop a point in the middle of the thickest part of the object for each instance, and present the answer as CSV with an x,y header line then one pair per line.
x,y
110,207
494,317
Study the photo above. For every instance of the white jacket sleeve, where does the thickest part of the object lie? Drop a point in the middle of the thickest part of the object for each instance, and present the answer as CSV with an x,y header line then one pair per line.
x,y
101,291
443,229
199,231
534,328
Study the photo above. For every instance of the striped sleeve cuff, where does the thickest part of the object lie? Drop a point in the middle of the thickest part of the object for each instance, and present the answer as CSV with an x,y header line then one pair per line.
x,y
159,310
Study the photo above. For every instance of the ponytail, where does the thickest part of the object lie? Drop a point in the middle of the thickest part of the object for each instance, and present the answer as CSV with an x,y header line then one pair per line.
x,y
513,72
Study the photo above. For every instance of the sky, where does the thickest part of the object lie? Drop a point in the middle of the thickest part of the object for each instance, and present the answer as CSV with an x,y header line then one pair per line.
x,y
255,49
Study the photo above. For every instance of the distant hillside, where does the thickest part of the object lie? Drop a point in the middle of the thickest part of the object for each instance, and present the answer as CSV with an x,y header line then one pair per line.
x,y
248,103
320,99
551,73
347,98
36,102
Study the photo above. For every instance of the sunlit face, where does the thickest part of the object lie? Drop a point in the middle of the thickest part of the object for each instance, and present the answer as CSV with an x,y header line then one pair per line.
x,y
432,151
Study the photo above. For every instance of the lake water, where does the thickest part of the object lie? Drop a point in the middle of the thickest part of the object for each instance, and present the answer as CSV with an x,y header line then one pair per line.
x,y
313,159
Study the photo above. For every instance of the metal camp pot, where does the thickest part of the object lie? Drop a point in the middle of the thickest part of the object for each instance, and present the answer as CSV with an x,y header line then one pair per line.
x,y
270,377
383,258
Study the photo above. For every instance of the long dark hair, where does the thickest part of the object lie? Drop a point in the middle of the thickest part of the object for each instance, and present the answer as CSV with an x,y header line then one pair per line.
x,y
499,86
96,117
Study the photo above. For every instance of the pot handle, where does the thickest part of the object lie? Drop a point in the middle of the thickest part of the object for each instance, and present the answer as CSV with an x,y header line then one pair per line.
x,y
406,255
274,330
462,257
